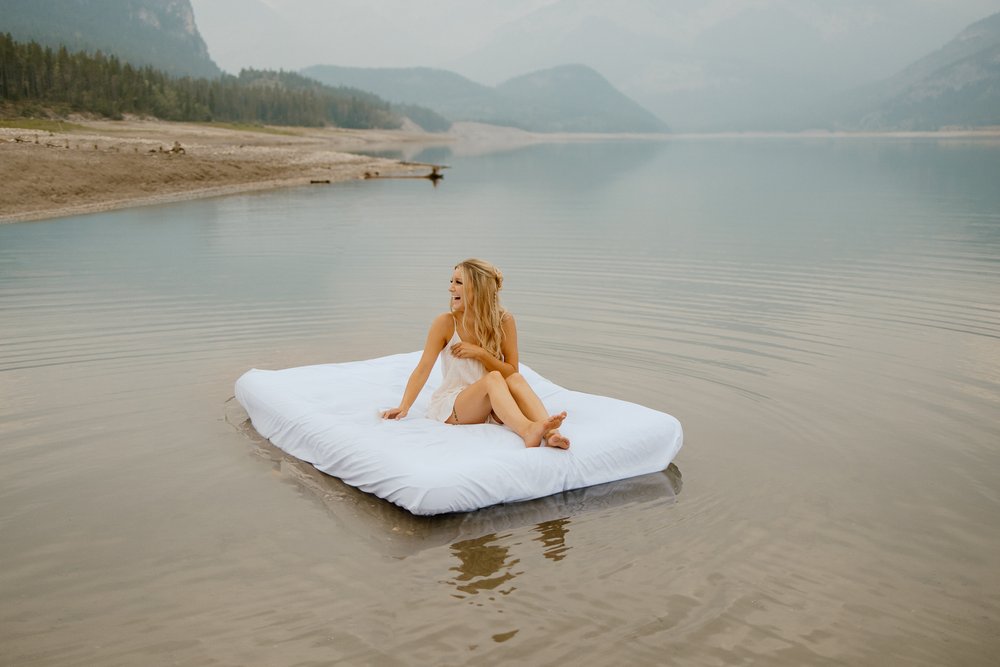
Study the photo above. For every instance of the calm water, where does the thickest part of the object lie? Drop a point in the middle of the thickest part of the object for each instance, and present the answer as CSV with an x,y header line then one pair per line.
x,y
822,316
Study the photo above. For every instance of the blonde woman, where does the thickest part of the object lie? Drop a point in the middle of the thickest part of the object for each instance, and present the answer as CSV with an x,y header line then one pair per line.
x,y
477,342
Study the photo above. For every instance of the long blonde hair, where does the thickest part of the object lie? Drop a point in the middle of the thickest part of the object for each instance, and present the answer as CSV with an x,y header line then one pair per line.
x,y
483,316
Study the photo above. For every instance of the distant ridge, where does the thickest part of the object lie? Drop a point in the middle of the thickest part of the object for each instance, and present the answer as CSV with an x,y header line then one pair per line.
x,y
956,86
569,98
411,85
160,33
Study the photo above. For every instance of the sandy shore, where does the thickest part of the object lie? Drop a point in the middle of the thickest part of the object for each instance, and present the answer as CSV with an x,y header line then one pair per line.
x,y
102,165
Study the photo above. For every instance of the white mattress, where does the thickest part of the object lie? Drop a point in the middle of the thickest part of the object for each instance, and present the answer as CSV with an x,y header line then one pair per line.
x,y
328,415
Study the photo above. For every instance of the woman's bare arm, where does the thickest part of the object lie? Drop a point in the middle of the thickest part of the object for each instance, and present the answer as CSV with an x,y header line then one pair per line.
x,y
437,338
508,348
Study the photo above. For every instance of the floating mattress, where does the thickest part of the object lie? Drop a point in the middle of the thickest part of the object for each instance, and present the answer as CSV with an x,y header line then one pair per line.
x,y
329,415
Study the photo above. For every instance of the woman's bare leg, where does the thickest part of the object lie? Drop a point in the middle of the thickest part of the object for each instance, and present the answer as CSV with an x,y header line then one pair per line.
x,y
491,394
533,408
525,396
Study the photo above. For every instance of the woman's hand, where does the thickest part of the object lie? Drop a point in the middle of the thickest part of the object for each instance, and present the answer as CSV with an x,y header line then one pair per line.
x,y
464,350
395,413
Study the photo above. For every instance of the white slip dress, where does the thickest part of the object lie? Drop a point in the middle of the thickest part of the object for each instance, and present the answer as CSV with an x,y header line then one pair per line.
x,y
457,375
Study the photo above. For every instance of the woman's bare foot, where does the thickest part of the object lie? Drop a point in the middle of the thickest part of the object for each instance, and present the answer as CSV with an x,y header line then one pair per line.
x,y
536,432
556,439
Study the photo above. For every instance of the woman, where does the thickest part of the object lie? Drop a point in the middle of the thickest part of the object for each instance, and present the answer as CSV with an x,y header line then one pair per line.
x,y
477,342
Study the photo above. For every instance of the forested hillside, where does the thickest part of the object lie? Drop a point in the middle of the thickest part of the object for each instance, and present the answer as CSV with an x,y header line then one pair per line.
x,y
160,33
36,79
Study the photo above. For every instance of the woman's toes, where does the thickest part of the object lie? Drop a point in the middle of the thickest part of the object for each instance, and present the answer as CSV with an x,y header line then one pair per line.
x,y
556,439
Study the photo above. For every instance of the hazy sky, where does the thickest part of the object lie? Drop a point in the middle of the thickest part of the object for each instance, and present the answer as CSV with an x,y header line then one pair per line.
x,y
678,57
397,33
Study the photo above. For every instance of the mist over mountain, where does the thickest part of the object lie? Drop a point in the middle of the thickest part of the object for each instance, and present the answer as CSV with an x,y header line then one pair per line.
x,y
438,89
293,34
709,66
572,98
116,57
568,98
701,65
161,33
958,85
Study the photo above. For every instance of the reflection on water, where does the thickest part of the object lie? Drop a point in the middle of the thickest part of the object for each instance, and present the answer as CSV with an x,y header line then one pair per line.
x,y
821,315
552,535
504,636
486,563
484,566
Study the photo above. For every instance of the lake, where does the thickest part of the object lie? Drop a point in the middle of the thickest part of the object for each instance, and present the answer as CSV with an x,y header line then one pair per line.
x,y
822,315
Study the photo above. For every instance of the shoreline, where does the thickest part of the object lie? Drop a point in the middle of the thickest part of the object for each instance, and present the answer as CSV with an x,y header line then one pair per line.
x,y
991,133
474,132
93,166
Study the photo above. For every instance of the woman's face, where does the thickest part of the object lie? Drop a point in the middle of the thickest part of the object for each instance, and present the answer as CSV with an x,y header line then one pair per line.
x,y
457,290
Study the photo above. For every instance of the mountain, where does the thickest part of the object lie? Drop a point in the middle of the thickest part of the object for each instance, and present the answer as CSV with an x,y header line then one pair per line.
x,y
716,65
568,98
161,33
957,85
701,65
573,98
411,85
